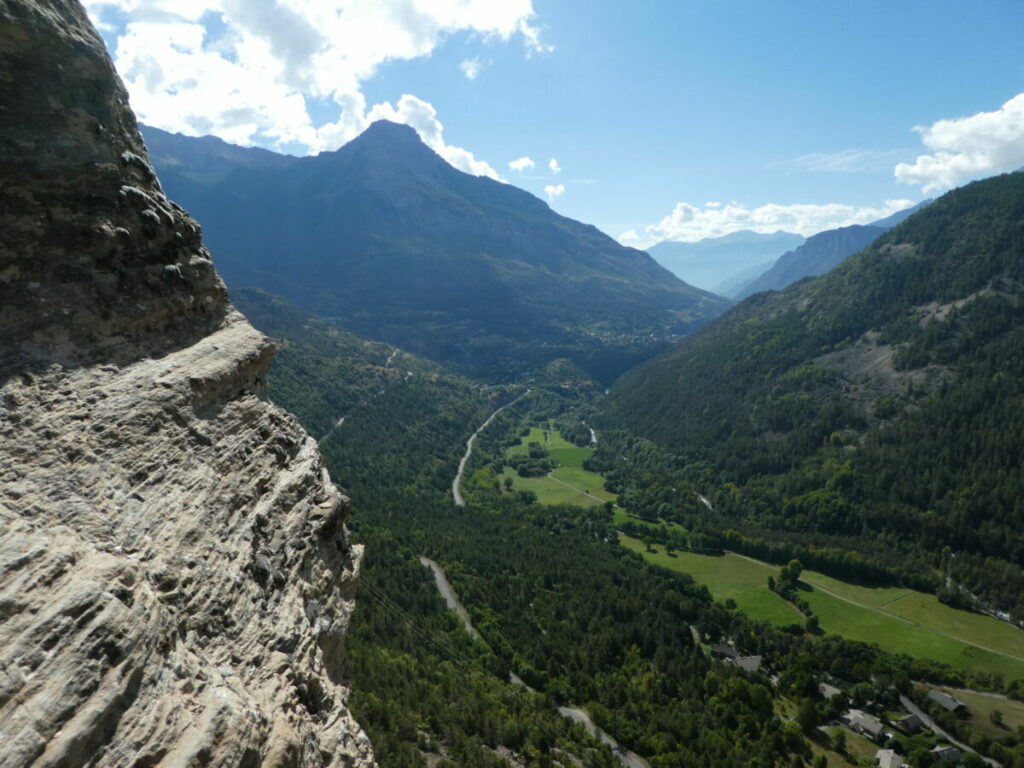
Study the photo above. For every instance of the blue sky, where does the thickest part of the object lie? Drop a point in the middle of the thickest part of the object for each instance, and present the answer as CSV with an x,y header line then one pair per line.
x,y
785,114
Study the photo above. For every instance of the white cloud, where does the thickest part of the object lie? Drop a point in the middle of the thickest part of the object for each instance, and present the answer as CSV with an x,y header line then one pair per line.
x,y
968,148
554,190
629,237
471,67
693,222
531,36
253,72
522,164
554,166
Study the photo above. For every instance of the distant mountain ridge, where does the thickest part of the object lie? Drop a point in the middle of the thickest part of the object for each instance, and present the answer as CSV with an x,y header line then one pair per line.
x,y
822,252
208,157
390,241
815,257
722,264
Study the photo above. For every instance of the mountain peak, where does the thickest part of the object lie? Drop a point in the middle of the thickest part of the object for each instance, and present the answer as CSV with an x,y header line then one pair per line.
x,y
390,132
392,149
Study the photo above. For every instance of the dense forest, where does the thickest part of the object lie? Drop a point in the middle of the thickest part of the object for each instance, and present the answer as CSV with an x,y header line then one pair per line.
x,y
878,409
430,695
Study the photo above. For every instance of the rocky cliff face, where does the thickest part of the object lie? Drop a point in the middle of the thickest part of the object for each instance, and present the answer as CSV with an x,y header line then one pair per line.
x,y
175,578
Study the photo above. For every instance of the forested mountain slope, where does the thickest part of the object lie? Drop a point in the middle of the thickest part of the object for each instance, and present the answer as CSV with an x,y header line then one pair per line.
x,y
883,401
385,419
392,242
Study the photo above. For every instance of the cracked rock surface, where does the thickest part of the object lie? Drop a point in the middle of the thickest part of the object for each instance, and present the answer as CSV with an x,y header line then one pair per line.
x,y
175,576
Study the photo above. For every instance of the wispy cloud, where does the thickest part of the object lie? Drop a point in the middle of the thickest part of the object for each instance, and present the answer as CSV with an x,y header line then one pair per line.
x,y
471,67
554,166
845,161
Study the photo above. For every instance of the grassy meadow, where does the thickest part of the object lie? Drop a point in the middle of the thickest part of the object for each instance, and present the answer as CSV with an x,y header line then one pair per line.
x,y
898,620
584,488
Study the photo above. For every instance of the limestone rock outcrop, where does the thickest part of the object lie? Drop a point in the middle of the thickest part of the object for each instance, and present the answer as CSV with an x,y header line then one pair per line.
x,y
175,576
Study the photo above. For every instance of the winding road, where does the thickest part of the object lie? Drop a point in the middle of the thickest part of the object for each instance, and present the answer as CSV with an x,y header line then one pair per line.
x,y
451,599
627,758
459,501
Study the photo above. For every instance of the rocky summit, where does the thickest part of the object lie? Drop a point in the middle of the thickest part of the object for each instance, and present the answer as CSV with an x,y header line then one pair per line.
x,y
175,576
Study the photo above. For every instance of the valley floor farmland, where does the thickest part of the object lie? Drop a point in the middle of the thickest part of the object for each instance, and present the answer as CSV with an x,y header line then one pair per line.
x,y
898,620
570,483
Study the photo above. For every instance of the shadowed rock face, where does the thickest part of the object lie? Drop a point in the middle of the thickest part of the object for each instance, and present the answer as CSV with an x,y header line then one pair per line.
x,y
175,578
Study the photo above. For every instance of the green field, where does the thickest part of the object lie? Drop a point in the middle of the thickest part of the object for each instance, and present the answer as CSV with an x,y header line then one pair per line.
x,y
587,488
727,577
919,608
980,707
898,620
548,491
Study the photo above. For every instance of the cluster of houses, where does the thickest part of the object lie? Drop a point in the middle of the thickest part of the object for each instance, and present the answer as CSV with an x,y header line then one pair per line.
x,y
870,727
864,723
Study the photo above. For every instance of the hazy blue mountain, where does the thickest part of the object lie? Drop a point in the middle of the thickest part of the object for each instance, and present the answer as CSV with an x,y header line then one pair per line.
x,y
817,256
716,261
390,241
735,284
822,252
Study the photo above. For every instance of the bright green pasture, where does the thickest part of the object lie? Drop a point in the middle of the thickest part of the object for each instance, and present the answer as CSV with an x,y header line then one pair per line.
x,y
536,436
728,576
920,610
580,478
548,491
570,458
898,620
